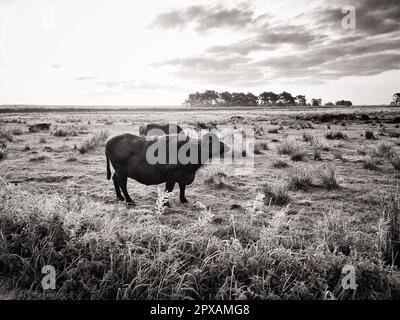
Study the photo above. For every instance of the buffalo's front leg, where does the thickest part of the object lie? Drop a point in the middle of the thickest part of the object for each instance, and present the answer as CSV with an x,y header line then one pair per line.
x,y
128,199
117,187
182,197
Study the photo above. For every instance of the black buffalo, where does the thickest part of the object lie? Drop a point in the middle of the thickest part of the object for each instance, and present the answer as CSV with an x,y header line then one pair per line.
x,y
129,155
156,129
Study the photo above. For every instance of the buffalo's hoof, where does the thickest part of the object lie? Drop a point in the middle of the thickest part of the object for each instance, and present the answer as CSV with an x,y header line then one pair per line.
x,y
121,199
167,204
184,200
130,204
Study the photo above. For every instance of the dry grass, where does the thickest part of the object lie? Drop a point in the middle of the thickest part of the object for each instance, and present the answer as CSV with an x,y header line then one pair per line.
x,y
94,141
300,179
287,147
389,227
275,194
327,177
3,152
280,164
97,254
38,157
395,161
298,156
260,147
231,246
6,135
336,136
369,163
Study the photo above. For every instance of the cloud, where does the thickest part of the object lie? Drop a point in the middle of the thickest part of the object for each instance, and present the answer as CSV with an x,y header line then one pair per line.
x,y
206,63
315,51
271,38
56,66
133,85
85,78
204,18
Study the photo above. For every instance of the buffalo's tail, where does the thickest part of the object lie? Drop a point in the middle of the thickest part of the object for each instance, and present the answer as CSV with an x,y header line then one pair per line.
x,y
108,168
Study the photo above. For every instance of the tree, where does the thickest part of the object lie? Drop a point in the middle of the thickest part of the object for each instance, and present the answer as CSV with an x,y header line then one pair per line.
x,y
210,97
344,103
268,98
301,100
226,98
252,100
239,99
396,99
316,102
286,99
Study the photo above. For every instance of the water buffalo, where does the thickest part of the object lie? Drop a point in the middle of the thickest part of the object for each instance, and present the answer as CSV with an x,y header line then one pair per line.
x,y
156,129
151,161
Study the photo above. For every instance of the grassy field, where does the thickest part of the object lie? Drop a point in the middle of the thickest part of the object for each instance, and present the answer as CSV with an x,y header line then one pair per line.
x,y
324,193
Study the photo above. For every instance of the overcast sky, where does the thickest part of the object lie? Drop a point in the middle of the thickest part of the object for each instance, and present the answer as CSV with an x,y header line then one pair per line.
x,y
124,52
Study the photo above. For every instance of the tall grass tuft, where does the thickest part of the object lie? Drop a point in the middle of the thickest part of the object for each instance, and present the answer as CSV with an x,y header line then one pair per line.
x,y
94,141
275,194
389,227
300,179
327,178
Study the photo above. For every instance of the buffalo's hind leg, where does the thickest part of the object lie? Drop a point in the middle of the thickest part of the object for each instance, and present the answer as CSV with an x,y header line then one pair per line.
x,y
117,187
128,199
182,197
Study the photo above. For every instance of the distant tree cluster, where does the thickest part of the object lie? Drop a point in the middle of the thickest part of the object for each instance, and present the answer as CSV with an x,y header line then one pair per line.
x,y
344,103
396,99
212,98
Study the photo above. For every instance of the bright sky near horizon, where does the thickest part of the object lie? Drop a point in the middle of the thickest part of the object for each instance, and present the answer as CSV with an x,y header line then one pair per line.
x,y
151,52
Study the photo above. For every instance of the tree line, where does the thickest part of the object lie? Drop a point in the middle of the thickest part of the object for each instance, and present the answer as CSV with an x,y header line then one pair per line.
x,y
213,98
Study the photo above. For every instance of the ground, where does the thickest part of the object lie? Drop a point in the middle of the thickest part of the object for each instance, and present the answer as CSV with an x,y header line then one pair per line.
x,y
351,212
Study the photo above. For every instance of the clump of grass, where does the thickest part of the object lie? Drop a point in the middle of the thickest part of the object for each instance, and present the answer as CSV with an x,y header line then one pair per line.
x,y
394,134
287,147
26,148
395,162
217,179
38,157
6,135
17,131
65,131
71,157
3,152
369,135
275,194
300,179
369,163
308,137
338,154
327,177
273,130
3,144
317,151
297,156
42,140
362,150
280,164
389,227
93,142
336,136
259,147
383,150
